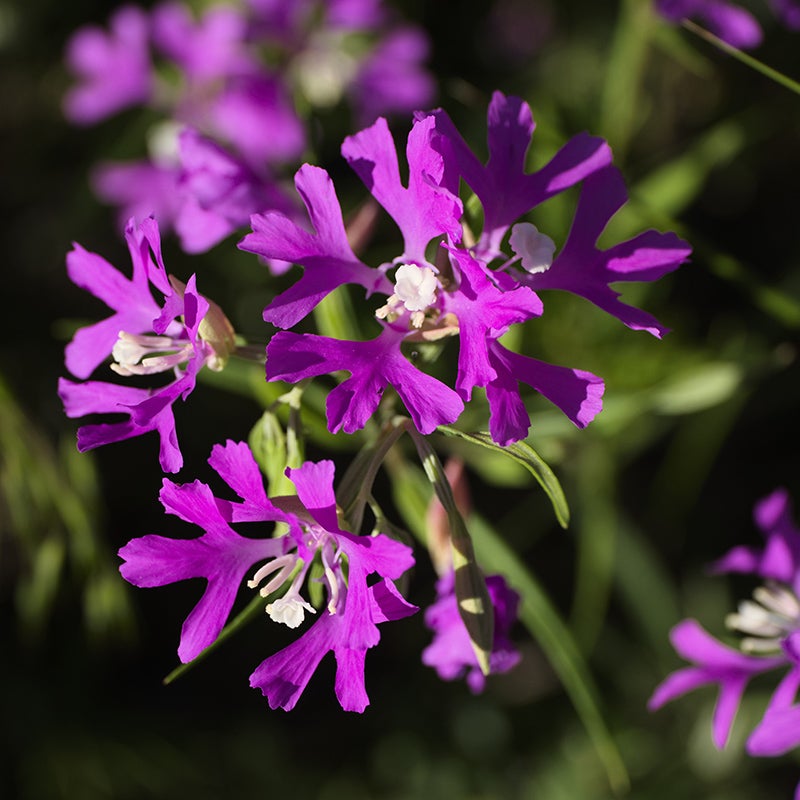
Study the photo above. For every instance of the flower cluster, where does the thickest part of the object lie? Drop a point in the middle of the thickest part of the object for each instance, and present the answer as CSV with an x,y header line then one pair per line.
x,y
441,285
227,84
771,627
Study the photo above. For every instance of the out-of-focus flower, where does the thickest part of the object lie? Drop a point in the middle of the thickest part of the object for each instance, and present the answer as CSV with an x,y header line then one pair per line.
x,y
114,68
771,627
451,653
346,625
183,334
788,12
729,21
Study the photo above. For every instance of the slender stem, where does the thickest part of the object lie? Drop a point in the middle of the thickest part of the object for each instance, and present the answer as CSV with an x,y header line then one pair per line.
x,y
748,60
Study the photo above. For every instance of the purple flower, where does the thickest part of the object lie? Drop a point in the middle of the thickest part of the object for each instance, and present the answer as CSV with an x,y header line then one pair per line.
x,y
436,287
729,22
114,68
771,627
451,653
190,333
347,625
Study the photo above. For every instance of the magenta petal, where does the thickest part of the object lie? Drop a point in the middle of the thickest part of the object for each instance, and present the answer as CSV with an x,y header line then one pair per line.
x,y
505,190
583,269
283,676
327,258
576,392
220,555
388,604
373,365
131,299
115,67
349,685
779,730
314,484
422,211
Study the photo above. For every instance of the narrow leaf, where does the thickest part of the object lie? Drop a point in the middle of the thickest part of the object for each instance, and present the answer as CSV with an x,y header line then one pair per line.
x,y
541,618
524,454
474,604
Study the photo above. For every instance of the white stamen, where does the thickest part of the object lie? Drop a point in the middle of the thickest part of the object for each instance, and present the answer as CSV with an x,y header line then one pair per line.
x,y
778,599
289,610
415,289
284,565
145,355
756,620
769,620
415,286
535,249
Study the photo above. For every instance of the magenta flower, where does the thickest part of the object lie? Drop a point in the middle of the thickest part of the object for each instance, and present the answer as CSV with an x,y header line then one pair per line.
x,y
114,68
436,287
347,625
451,653
189,333
771,627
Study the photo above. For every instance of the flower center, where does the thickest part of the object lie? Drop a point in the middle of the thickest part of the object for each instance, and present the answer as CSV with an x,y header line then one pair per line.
x,y
291,607
145,355
770,617
415,290
535,250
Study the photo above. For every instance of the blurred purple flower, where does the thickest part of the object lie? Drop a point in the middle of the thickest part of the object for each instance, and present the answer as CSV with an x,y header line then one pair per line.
x,y
391,79
788,12
451,653
771,627
202,191
728,21
347,625
113,68
190,333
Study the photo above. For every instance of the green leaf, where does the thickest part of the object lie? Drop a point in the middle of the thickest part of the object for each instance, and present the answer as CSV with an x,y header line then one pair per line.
x,y
524,454
541,618
474,604
356,485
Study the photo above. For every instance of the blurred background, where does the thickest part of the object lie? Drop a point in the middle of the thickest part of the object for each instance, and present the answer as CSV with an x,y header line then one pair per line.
x,y
696,429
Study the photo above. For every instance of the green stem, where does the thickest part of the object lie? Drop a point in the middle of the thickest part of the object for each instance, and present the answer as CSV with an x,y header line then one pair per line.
x,y
746,59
